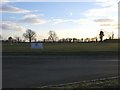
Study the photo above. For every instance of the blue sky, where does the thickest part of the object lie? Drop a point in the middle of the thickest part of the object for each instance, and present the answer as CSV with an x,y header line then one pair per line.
x,y
56,10
67,19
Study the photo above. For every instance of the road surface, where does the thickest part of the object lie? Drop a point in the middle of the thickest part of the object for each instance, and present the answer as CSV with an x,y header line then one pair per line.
x,y
36,71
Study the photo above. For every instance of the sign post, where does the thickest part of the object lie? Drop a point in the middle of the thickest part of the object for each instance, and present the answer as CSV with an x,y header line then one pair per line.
x,y
37,45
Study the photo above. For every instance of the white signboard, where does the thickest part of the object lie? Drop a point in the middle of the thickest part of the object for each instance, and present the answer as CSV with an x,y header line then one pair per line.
x,y
37,45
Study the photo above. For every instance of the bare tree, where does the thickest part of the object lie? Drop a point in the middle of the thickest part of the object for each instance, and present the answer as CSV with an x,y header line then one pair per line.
x,y
74,40
30,35
112,35
87,39
52,36
63,40
101,35
70,40
35,39
17,39
82,39
10,40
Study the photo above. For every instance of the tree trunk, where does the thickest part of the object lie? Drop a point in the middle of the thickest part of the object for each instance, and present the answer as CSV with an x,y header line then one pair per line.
x,y
30,40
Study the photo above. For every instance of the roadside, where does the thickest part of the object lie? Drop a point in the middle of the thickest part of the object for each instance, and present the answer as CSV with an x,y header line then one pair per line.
x,y
111,83
88,53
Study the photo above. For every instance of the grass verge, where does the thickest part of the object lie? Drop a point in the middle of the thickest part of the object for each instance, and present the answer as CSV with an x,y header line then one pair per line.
x,y
111,83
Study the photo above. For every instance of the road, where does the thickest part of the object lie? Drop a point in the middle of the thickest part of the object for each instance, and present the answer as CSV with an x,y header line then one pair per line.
x,y
36,71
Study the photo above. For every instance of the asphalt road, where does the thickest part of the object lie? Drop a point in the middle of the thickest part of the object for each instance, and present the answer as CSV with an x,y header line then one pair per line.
x,y
36,71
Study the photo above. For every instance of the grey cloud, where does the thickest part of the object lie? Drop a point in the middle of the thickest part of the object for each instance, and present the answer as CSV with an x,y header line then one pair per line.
x,y
33,19
11,26
12,9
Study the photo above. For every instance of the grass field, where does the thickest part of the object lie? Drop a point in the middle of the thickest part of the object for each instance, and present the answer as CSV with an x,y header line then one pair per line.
x,y
61,48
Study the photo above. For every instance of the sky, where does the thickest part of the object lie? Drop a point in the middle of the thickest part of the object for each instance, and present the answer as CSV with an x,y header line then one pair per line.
x,y
67,19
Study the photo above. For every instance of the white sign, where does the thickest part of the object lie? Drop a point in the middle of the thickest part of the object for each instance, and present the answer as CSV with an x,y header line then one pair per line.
x,y
37,45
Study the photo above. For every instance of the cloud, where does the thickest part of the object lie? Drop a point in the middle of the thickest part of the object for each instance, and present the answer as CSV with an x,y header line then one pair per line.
x,y
101,12
103,20
59,21
105,24
82,21
11,26
33,19
110,26
108,8
105,16
106,3
12,9
4,1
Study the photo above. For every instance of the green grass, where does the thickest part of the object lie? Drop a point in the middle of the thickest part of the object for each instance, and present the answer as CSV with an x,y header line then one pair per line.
x,y
61,48
100,83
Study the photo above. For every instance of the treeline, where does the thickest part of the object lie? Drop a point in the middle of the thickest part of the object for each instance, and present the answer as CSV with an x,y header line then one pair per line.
x,y
63,40
30,36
